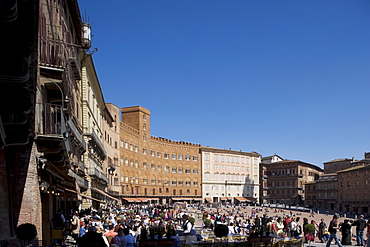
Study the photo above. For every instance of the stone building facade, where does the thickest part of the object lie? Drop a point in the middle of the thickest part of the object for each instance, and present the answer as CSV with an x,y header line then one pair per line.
x,y
111,144
230,176
286,179
95,117
155,168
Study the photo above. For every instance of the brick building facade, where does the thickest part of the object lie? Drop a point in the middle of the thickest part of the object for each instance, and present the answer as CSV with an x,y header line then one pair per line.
x,y
353,190
286,179
155,168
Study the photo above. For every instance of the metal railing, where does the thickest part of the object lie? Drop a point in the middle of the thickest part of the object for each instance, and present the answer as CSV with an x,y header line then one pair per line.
x,y
51,119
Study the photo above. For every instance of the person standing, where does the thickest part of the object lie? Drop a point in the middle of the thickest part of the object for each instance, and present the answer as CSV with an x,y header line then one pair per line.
x,y
75,226
368,233
92,239
346,232
360,227
333,227
128,239
322,229
187,226
279,227
110,234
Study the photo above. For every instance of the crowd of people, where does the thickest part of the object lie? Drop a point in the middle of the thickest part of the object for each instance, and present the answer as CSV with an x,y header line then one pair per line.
x,y
121,226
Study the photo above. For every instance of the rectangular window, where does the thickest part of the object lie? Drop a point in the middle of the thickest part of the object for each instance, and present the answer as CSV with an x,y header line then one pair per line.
x,y
206,157
136,149
152,166
215,157
187,157
174,183
167,168
153,181
145,181
216,166
144,151
173,156
159,154
152,153
187,183
173,169
222,158
181,183
195,171
195,158
145,166
166,156
131,147
126,145
121,143
187,170
159,168
179,157
179,170
195,184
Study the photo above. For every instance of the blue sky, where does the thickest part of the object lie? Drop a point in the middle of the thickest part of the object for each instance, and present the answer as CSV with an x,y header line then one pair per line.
x,y
285,77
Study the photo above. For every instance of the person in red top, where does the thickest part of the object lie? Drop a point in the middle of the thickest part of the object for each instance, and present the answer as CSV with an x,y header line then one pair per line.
x,y
111,233
286,225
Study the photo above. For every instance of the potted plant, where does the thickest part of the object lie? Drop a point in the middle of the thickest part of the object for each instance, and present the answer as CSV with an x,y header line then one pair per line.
x,y
191,220
207,223
309,231
26,233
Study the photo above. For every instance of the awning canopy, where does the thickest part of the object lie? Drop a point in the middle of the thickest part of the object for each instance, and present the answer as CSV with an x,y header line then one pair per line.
x,y
91,198
177,199
251,199
140,199
105,194
128,199
208,199
241,199
223,198
197,199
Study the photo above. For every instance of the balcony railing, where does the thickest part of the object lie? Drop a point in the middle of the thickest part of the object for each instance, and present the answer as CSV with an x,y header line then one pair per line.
x,y
97,145
94,172
56,53
80,181
52,119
